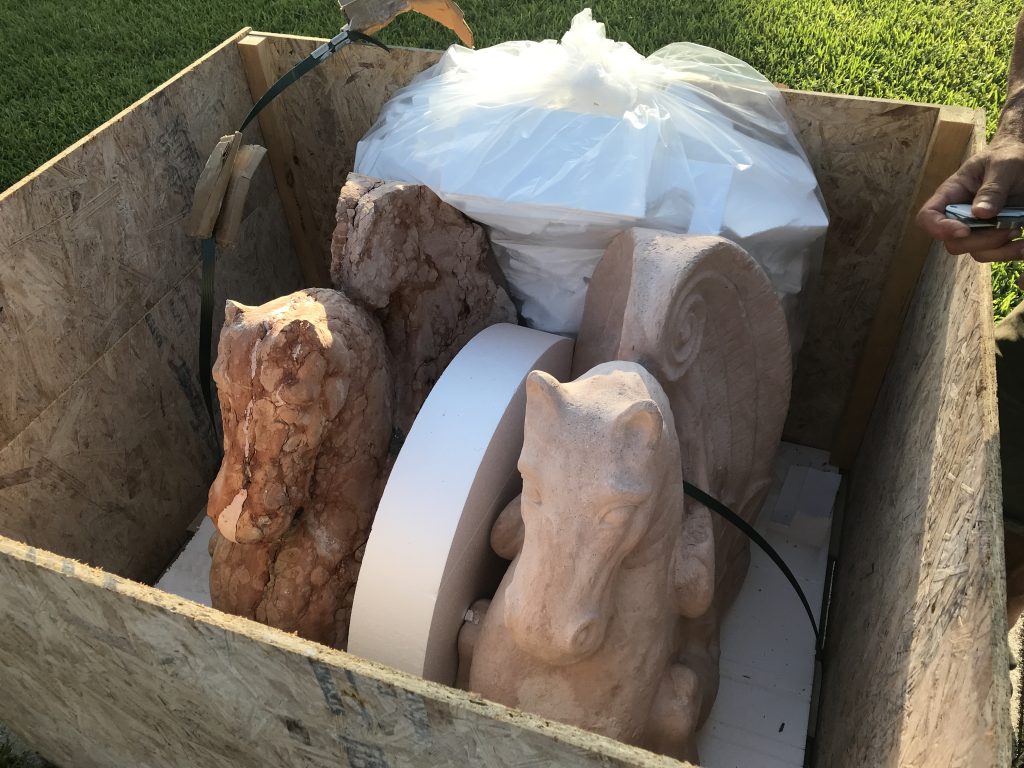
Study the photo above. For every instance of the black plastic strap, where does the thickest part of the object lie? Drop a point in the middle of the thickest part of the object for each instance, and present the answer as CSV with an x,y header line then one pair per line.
x,y
206,324
748,530
343,38
340,40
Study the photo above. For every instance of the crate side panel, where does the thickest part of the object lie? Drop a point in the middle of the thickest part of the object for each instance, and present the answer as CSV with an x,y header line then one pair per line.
x,y
325,114
133,676
95,238
916,664
114,469
867,156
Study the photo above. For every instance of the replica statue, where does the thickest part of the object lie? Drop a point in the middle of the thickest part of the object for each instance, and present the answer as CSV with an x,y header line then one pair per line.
x,y
425,270
306,404
700,316
609,559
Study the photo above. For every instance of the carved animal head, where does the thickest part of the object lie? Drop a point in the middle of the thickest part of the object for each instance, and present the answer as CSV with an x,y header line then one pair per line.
x,y
280,380
600,459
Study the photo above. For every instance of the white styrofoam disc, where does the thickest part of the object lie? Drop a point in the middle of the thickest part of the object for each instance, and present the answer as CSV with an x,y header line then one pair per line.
x,y
428,556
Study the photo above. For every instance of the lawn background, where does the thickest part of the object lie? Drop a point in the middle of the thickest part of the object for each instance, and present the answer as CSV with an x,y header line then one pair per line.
x,y
66,67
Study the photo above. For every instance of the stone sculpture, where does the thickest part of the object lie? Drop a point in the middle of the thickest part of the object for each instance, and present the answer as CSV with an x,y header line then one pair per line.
x,y
306,402
425,270
701,317
609,559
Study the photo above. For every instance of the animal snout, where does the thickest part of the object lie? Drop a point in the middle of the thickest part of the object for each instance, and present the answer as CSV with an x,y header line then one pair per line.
x,y
584,638
558,643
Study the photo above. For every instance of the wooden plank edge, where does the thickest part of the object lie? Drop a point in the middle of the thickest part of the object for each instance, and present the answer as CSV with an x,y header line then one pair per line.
x,y
122,114
949,145
999,692
212,186
953,111
318,41
229,224
261,73
338,660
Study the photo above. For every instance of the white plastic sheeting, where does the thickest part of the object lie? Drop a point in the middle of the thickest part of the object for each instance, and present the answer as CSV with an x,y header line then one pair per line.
x,y
558,146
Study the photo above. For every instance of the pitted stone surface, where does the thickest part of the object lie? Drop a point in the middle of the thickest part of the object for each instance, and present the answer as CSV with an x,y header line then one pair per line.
x,y
306,401
426,271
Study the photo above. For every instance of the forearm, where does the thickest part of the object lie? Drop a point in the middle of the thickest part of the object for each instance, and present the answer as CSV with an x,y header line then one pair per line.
x,y
1011,122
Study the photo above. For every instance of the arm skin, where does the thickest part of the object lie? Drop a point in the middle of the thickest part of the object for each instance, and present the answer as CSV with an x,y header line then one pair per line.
x,y
991,179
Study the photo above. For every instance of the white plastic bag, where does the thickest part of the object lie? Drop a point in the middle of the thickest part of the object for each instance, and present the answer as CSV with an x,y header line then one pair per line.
x,y
557,147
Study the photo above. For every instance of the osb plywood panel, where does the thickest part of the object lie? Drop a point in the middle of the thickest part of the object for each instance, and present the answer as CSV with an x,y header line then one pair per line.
x,y
916,664
951,142
94,239
868,156
98,671
112,470
314,126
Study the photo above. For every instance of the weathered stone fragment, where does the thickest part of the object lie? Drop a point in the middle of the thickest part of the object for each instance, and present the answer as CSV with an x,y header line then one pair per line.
x,y
426,270
306,401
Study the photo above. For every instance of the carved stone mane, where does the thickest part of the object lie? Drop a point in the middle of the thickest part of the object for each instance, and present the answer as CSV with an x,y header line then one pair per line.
x,y
306,401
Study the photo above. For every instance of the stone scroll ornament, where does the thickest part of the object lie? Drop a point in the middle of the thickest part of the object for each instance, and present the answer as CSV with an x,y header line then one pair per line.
x,y
609,615
306,401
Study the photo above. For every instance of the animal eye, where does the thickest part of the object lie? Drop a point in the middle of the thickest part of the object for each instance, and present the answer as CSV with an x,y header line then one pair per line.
x,y
617,515
531,494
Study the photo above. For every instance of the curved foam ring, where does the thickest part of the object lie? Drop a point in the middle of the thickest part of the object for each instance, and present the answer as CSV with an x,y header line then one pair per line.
x,y
428,556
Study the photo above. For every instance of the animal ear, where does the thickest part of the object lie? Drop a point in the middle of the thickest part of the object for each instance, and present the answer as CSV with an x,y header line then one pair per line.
x,y
232,310
543,389
541,384
641,424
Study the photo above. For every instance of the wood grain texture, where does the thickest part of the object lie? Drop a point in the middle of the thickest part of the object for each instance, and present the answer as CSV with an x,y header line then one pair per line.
x,y
916,663
951,142
867,155
137,677
229,225
94,238
261,72
212,186
116,452
313,127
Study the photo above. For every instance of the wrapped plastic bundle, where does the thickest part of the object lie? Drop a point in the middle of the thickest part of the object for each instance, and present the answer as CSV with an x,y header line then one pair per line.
x,y
557,147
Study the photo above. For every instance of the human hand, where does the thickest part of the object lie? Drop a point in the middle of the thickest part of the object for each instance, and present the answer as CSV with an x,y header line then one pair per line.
x,y
990,179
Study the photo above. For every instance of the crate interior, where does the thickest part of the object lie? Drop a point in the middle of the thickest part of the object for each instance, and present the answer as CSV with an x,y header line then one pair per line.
x,y
108,451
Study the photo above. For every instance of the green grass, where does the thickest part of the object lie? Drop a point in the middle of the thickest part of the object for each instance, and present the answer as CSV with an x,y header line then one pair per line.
x,y
11,759
68,66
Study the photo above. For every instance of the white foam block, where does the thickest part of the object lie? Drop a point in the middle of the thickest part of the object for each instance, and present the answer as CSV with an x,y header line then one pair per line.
x,y
428,556
189,574
767,664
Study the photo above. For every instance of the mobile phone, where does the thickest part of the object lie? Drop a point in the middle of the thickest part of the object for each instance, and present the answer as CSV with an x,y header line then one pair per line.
x,y
1008,218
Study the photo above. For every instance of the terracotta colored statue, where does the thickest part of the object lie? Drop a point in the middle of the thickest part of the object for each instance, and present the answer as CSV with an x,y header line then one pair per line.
x,y
609,560
701,317
426,272
306,403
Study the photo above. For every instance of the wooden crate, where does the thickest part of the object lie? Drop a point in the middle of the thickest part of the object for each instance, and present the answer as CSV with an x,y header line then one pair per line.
x,y
107,451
